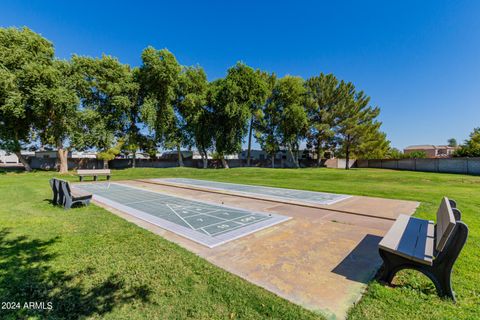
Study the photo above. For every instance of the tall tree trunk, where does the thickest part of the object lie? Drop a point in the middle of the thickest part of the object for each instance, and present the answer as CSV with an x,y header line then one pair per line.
x,y
273,160
23,161
292,155
249,141
224,163
62,155
105,164
134,159
204,155
347,155
319,153
180,158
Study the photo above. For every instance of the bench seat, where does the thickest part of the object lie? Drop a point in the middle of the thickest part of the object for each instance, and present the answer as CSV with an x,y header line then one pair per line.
x,y
411,238
80,195
93,173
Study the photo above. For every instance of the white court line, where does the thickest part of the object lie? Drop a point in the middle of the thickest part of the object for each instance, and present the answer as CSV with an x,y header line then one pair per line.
x,y
180,217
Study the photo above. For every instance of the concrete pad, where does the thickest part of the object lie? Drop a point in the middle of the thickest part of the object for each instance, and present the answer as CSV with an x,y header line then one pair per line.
x,y
321,259
365,206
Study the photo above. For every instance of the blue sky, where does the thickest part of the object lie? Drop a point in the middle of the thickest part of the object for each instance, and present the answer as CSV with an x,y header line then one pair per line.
x,y
418,60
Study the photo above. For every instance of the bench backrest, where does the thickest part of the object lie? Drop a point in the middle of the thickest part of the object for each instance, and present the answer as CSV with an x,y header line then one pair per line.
x,y
445,224
93,171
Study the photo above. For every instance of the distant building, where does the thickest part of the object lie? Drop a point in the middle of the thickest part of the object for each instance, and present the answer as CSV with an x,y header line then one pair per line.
x,y
84,155
7,157
173,155
280,155
196,155
48,154
431,150
52,154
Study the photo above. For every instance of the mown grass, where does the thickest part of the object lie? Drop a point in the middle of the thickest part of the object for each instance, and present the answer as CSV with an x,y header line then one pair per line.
x,y
92,264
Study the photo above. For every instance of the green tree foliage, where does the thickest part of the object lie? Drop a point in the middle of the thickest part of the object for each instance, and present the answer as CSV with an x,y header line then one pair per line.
x,y
107,95
230,102
452,142
374,145
471,147
415,155
356,124
55,105
111,153
191,102
394,153
253,91
288,99
323,97
267,124
21,52
102,104
158,77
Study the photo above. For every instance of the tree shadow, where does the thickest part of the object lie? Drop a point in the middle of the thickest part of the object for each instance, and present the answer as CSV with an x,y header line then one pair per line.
x,y
27,277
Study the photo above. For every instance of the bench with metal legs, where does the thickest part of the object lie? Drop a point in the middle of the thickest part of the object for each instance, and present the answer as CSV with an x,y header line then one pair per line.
x,y
95,173
420,245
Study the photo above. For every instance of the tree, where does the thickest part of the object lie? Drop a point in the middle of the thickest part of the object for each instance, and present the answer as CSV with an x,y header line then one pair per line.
x,y
107,96
230,107
21,50
110,153
134,139
416,155
192,104
267,123
452,142
55,105
373,146
394,153
322,100
253,91
471,147
288,99
158,77
356,124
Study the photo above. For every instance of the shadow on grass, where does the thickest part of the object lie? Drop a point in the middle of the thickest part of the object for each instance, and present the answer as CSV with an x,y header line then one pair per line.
x,y
26,276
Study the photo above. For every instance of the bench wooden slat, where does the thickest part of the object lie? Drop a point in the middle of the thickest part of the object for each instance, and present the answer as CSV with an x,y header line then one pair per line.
x,y
78,193
411,238
391,240
445,224
93,171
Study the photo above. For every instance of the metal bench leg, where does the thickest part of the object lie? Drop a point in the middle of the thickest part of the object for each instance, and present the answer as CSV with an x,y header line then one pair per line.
x,y
443,282
81,178
389,266
94,178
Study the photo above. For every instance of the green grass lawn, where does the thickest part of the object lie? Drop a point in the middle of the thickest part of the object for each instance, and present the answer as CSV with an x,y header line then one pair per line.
x,y
93,264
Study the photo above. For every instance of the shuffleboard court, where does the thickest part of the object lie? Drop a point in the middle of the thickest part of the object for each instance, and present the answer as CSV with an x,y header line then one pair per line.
x,y
208,224
314,197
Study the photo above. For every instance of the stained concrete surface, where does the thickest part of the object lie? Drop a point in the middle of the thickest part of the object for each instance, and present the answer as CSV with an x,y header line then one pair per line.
x,y
321,259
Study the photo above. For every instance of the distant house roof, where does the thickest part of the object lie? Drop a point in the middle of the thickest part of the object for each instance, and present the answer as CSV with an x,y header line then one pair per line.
x,y
428,147
421,146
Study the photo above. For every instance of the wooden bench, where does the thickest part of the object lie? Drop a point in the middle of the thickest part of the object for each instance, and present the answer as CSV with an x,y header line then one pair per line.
x,y
432,249
64,196
93,173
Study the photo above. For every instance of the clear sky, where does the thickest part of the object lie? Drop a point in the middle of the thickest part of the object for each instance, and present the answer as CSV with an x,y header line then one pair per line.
x,y
418,60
